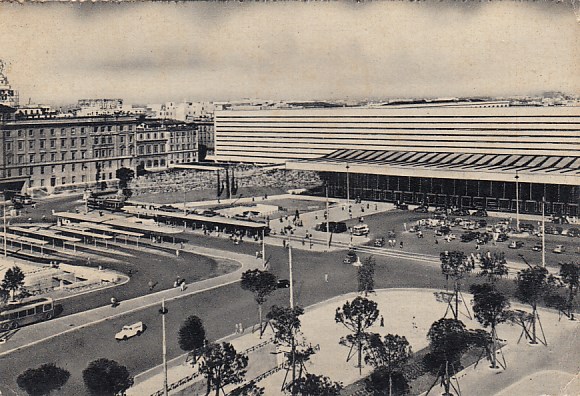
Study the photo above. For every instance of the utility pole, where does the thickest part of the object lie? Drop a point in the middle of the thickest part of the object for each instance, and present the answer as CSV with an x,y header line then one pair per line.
x,y
263,247
327,218
347,189
517,203
5,231
163,311
292,328
543,233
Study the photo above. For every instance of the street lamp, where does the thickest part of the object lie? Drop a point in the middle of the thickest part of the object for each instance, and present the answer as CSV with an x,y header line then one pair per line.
x,y
347,187
163,311
517,203
543,233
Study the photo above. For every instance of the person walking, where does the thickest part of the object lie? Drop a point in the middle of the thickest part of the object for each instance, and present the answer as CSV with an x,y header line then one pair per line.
x,y
401,245
182,286
326,277
382,321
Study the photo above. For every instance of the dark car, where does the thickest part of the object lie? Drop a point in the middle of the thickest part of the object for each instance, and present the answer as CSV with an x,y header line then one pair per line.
x,y
480,213
573,232
460,212
335,227
482,223
516,244
502,238
537,247
402,206
469,236
527,227
421,209
350,258
283,284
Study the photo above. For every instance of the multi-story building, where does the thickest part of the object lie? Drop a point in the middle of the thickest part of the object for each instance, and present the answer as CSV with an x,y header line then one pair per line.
x,y
53,154
205,137
470,155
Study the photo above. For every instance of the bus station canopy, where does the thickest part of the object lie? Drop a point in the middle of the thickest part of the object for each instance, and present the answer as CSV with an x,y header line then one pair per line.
x,y
102,227
45,233
83,232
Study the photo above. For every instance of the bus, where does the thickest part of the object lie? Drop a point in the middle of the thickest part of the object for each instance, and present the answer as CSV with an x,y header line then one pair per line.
x,y
112,204
26,312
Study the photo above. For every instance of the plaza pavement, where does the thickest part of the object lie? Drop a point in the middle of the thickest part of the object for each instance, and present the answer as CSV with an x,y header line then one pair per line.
x,y
531,370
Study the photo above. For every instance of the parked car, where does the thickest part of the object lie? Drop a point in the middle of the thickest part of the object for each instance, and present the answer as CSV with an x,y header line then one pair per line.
x,y
23,199
129,331
379,242
443,230
559,249
516,244
350,258
537,247
527,227
402,206
469,236
482,223
460,212
573,232
480,213
502,237
283,284
421,209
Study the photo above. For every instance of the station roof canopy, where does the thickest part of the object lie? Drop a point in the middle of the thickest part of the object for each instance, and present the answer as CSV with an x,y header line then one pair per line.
x,y
494,167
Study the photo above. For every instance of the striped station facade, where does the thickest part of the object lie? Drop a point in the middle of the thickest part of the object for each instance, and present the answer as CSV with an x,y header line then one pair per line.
x,y
462,156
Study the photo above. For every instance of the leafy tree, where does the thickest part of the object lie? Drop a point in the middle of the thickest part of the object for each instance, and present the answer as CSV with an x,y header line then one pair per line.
x,y
380,379
493,266
366,276
43,380
249,389
449,339
124,175
388,356
262,284
191,336
454,266
221,366
13,280
491,308
357,317
286,324
315,385
532,285
570,276
105,377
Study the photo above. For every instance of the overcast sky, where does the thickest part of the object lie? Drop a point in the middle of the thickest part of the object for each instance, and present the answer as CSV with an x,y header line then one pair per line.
x,y
149,53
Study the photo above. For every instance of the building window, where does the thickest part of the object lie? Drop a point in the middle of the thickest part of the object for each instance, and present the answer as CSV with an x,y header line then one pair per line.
x,y
62,156
83,142
52,132
73,142
83,178
110,175
42,170
31,171
63,168
73,168
7,133
20,145
96,140
52,143
7,146
31,184
73,155
83,154
42,144
42,132
103,128
73,180
42,157
53,157
73,131
41,182
19,171
19,133
31,145
63,143
31,132
63,180
20,159
31,158
82,130
110,139
62,132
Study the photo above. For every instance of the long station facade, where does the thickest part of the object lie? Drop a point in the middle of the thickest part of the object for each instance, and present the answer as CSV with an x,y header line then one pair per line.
x,y
472,155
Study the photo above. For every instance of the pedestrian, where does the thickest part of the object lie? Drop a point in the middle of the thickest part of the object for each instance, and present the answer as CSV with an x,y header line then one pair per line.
x,y
241,328
177,252
405,226
401,245
382,321
150,284
182,286
284,243
237,328
175,284
326,277
436,241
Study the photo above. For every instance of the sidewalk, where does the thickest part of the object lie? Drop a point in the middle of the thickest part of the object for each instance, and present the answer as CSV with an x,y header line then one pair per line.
x,y
46,330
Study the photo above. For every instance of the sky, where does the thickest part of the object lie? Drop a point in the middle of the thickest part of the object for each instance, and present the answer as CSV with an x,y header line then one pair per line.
x,y
157,52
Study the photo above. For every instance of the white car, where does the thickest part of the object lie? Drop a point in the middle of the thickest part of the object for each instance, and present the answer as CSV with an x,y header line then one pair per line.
x,y
129,331
559,249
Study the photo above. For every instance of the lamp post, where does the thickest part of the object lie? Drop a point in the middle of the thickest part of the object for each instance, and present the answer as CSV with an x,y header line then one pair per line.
x,y
517,203
163,311
5,231
263,248
543,233
293,346
327,218
347,188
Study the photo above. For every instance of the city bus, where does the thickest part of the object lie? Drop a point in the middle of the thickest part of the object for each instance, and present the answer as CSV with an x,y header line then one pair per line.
x,y
26,312
112,204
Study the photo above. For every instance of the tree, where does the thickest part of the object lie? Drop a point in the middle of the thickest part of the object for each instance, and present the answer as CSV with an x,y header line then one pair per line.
x,y
124,175
222,365
262,284
315,385
286,324
105,377
43,380
491,308
380,380
249,389
388,356
454,266
493,266
532,285
357,317
13,280
191,336
449,339
366,275
570,276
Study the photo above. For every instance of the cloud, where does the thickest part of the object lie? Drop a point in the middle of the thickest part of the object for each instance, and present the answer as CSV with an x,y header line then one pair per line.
x,y
170,51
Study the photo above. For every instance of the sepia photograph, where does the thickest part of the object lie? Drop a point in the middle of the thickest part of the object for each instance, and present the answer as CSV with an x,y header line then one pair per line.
x,y
302,198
